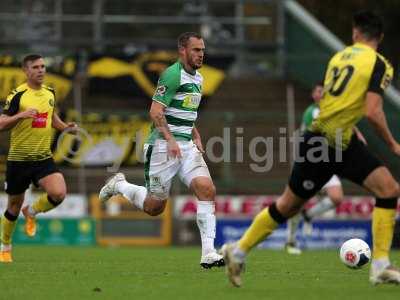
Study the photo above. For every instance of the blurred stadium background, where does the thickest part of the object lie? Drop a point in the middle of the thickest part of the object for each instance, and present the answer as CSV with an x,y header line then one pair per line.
x,y
104,58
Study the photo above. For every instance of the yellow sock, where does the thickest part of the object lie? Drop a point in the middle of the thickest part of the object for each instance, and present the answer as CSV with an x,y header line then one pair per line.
x,y
262,226
383,221
7,230
42,204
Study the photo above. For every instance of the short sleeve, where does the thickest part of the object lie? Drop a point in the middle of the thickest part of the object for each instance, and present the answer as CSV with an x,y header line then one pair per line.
x,y
53,101
11,106
380,78
307,117
167,86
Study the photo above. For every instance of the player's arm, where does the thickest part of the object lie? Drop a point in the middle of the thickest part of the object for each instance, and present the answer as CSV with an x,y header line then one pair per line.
x,y
380,79
376,117
11,115
8,122
60,125
197,139
160,122
360,136
166,88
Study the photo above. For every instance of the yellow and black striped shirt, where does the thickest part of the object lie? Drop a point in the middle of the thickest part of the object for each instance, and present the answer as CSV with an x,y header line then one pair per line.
x,y
31,138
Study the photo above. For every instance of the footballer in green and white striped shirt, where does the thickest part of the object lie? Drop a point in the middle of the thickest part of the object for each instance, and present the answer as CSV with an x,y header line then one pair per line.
x,y
174,147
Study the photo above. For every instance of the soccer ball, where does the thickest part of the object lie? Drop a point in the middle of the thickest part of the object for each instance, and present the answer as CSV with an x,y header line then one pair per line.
x,y
355,253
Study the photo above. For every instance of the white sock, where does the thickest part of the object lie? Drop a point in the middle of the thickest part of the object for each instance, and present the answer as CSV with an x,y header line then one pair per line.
x,y
292,225
380,264
322,206
136,194
206,222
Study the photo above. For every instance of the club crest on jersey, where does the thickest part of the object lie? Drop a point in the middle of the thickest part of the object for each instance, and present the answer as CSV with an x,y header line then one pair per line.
x,y
386,81
7,105
161,89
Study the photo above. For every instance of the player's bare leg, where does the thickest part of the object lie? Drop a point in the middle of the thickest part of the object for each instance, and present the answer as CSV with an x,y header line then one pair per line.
x,y
387,190
56,189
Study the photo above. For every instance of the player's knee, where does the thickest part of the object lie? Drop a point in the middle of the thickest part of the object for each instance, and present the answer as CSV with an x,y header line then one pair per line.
x,y
206,190
154,207
391,190
209,191
336,200
155,211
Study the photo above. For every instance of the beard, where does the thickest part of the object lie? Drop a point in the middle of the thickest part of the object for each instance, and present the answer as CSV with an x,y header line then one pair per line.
x,y
195,65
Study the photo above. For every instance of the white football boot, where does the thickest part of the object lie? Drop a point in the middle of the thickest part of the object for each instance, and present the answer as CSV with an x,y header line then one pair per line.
x,y
234,266
291,248
109,189
390,274
212,259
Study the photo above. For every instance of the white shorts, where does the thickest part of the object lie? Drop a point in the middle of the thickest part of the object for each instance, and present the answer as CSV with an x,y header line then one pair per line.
x,y
334,181
160,169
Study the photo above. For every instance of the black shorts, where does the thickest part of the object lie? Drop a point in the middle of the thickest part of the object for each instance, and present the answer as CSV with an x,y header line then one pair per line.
x,y
308,177
20,174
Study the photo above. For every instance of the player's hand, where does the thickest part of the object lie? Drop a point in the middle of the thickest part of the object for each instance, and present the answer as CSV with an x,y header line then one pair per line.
x,y
29,113
199,145
173,149
395,148
360,136
72,128
362,139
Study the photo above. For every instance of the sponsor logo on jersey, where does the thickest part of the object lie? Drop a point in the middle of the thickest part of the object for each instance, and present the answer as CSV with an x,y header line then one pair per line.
x,y
40,120
192,101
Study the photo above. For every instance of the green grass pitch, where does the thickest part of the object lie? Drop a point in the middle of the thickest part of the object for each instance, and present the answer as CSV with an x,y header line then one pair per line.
x,y
49,272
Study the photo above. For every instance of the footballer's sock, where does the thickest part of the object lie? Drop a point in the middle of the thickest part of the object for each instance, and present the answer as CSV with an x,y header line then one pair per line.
x,y
292,225
318,209
383,221
8,223
42,204
135,194
263,225
206,222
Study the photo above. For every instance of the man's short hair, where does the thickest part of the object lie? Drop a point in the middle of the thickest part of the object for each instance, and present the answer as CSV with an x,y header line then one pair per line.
x,y
369,24
184,38
29,58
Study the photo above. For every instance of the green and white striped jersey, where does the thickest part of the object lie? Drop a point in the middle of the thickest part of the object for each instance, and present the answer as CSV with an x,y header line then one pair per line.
x,y
180,92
